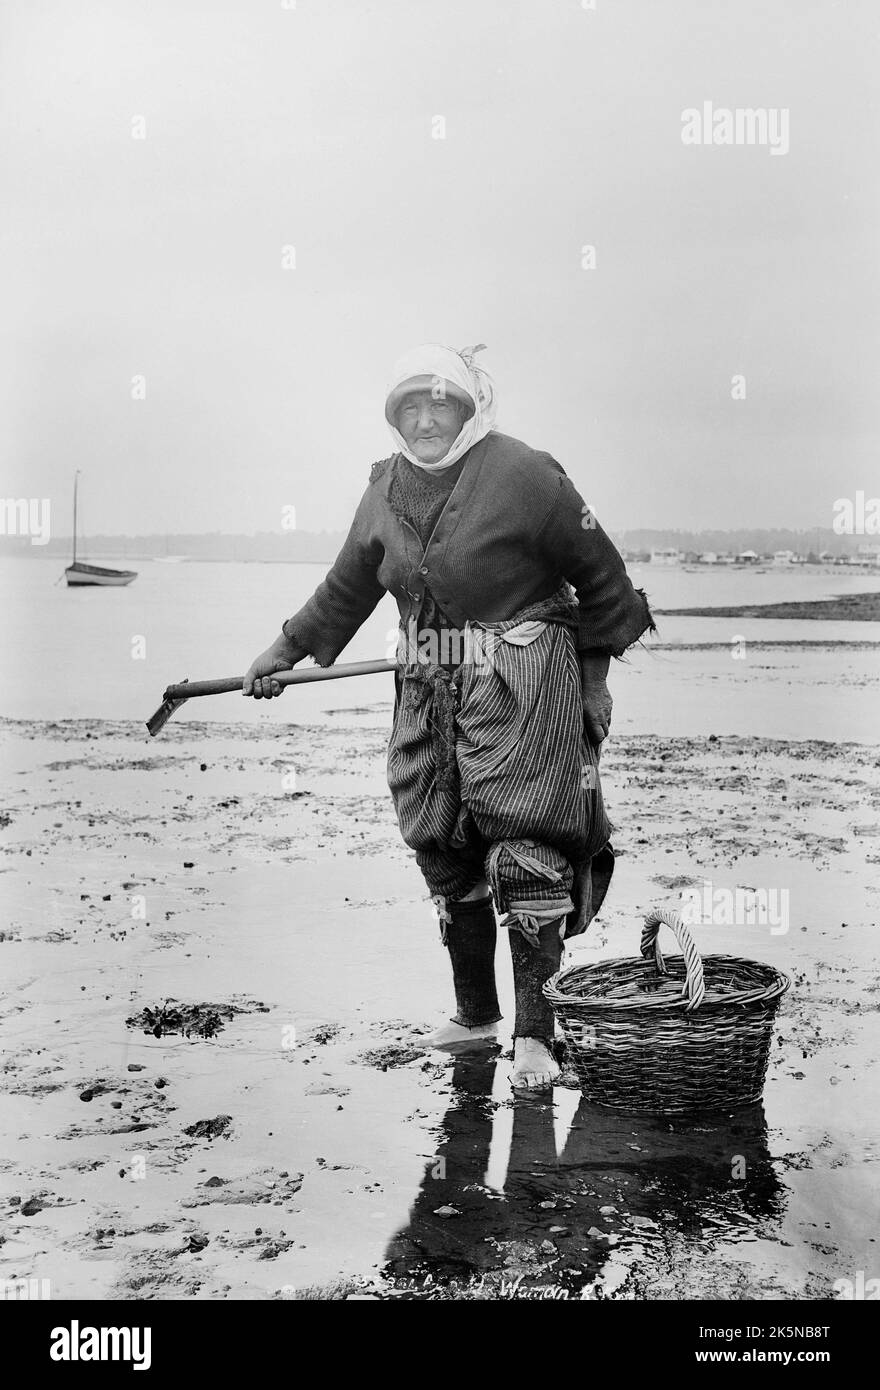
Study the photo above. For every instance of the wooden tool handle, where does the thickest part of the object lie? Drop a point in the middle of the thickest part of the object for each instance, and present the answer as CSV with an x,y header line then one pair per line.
x,y
188,690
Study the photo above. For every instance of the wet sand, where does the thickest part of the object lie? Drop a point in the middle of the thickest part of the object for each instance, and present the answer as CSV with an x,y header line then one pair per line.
x,y
296,1140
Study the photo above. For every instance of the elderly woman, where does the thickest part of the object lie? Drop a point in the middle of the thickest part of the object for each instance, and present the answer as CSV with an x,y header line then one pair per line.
x,y
512,601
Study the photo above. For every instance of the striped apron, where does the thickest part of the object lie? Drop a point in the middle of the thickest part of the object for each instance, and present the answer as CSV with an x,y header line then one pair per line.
x,y
491,772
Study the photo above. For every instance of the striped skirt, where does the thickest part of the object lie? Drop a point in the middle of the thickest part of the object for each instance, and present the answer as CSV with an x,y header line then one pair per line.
x,y
491,772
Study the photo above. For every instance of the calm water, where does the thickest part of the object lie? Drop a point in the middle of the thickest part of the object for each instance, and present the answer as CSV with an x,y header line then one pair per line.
x,y
74,653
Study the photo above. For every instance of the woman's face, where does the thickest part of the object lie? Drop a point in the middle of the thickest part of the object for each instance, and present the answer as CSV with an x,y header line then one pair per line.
x,y
430,427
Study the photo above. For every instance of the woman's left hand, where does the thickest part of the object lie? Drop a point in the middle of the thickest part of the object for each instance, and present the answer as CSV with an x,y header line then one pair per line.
x,y
597,704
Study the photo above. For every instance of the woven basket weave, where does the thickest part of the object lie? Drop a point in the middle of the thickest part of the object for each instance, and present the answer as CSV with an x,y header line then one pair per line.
x,y
673,1036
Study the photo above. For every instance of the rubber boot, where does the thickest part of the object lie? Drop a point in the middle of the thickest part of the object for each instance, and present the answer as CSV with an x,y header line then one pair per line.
x,y
532,967
470,938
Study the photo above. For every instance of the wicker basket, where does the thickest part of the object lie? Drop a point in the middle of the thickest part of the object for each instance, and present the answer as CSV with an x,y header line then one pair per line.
x,y
641,1040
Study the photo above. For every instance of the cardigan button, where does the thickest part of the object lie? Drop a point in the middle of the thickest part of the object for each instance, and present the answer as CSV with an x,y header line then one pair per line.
x,y
424,569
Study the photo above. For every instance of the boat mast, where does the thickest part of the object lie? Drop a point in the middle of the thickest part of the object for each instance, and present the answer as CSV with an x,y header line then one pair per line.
x,y
75,482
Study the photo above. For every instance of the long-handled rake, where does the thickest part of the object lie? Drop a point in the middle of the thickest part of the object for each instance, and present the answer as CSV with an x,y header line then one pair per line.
x,y
177,695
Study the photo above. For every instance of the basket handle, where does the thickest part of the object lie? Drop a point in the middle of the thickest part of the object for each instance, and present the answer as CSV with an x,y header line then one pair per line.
x,y
694,985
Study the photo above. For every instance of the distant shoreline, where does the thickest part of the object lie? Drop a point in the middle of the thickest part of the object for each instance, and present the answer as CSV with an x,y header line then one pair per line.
x,y
98,556
857,608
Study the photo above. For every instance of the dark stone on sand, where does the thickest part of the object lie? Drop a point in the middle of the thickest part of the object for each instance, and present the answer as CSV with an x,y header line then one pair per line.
x,y
209,1129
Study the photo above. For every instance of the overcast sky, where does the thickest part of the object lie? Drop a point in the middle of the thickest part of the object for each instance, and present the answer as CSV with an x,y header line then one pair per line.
x,y
311,126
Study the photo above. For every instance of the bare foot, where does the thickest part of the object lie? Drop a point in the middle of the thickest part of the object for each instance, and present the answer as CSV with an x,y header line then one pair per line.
x,y
456,1035
534,1066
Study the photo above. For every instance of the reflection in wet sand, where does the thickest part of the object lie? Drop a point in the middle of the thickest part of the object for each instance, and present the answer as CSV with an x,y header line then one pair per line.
x,y
607,1189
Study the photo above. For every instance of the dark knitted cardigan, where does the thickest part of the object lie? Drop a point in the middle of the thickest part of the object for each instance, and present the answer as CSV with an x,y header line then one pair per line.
x,y
513,529
419,497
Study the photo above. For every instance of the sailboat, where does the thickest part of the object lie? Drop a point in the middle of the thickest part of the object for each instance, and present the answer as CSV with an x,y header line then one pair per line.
x,y
80,573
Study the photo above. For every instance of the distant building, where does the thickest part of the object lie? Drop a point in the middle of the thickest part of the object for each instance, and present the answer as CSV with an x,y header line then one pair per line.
x,y
868,556
708,557
784,557
668,556
747,557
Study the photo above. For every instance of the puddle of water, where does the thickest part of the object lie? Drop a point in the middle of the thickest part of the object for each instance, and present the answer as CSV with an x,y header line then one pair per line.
x,y
557,1191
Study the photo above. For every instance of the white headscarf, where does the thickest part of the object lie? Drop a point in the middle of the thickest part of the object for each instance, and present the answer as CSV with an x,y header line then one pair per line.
x,y
429,365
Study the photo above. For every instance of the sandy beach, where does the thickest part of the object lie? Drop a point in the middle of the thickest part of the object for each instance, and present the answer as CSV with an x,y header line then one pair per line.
x,y
247,885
